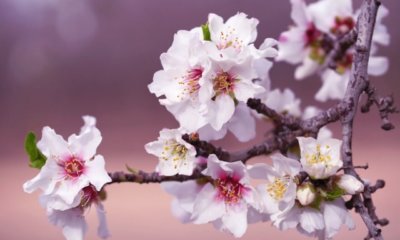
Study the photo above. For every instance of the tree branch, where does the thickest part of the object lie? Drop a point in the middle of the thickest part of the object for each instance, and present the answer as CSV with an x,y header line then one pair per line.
x,y
359,83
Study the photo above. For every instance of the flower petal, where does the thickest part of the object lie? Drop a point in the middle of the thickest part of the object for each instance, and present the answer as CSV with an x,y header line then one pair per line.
x,y
53,144
207,208
235,220
96,172
102,229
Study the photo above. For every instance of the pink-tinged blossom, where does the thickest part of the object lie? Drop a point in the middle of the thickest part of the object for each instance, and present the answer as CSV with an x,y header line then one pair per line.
x,y
225,200
71,218
306,43
181,78
71,165
279,192
175,155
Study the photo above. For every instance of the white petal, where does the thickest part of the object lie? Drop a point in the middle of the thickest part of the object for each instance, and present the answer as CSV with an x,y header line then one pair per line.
x,y
85,144
222,108
245,90
292,46
53,144
45,179
71,221
311,220
299,13
67,190
308,68
96,172
242,124
288,219
102,229
336,214
334,85
235,220
261,171
207,207
207,133
378,65
286,165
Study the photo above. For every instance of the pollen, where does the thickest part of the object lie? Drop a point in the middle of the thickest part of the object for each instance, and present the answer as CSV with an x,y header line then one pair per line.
x,y
224,83
318,156
74,167
190,82
229,190
175,152
278,188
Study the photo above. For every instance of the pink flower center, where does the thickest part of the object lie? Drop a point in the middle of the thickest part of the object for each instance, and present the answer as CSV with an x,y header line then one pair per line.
x,y
229,190
343,25
312,35
191,81
74,167
224,83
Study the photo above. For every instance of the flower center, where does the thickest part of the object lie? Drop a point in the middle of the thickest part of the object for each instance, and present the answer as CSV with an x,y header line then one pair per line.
x,y
344,63
343,25
174,151
191,81
229,190
278,188
312,35
224,83
228,39
318,156
89,196
74,167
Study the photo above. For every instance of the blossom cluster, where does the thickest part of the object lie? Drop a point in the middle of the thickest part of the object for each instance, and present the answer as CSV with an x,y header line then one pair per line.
x,y
317,27
314,205
71,179
210,72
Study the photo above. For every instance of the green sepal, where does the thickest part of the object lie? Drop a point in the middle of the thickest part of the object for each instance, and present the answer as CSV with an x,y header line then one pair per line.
x,y
36,157
335,193
206,32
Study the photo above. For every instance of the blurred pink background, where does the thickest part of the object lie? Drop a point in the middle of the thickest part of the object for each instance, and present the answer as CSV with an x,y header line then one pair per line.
x,y
63,59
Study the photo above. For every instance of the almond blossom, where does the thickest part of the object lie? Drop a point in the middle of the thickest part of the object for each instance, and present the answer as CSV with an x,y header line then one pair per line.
x,y
71,165
320,158
323,222
72,219
225,200
308,43
349,184
279,192
175,155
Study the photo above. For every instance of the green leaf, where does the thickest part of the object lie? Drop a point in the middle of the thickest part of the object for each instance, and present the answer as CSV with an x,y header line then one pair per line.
x,y
206,32
36,158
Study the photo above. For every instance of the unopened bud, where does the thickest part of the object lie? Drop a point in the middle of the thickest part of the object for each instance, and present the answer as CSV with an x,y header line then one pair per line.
x,y
350,184
306,194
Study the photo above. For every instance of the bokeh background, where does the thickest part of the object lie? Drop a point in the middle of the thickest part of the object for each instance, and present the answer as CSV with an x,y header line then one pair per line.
x,y
61,59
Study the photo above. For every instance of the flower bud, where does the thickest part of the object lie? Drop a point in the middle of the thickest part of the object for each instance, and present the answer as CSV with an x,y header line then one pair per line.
x,y
350,184
306,194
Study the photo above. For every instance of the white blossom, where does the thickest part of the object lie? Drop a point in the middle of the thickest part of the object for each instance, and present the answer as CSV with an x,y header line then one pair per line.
x,y
71,165
72,219
279,192
175,155
323,223
320,158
